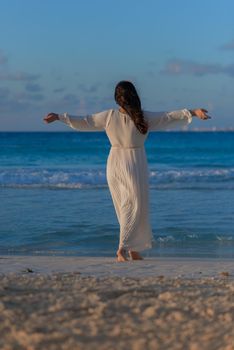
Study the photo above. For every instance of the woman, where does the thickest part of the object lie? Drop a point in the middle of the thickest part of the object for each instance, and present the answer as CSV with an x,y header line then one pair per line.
x,y
127,171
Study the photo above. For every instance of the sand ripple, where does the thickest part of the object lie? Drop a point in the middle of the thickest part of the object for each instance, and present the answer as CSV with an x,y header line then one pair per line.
x,y
70,311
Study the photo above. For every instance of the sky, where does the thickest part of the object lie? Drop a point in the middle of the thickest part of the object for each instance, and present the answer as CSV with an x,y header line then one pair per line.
x,y
67,56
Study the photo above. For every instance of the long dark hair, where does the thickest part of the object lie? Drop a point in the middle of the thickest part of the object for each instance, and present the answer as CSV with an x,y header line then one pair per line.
x,y
127,97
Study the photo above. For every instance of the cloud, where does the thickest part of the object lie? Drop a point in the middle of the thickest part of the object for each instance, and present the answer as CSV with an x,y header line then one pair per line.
x,y
186,67
80,105
36,97
229,70
31,87
19,76
90,89
71,99
11,103
62,89
150,73
228,46
6,75
3,58
25,96
4,93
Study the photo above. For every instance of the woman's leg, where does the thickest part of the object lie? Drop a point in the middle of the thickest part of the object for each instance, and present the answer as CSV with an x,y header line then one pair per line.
x,y
121,255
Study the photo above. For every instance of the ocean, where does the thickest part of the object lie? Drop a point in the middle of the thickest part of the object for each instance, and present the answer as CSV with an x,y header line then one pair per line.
x,y
54,198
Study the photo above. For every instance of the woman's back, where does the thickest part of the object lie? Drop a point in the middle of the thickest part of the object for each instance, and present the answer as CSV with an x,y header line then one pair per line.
x,y
122,131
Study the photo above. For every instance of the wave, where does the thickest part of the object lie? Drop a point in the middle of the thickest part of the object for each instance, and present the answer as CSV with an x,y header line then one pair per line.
x,y
194,237
96,178
190,244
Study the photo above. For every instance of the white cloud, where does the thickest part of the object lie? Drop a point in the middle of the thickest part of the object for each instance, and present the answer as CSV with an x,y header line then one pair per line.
x,y
180,66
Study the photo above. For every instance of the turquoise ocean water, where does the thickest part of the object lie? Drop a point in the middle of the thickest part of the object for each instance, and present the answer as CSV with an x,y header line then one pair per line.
x,y
54,197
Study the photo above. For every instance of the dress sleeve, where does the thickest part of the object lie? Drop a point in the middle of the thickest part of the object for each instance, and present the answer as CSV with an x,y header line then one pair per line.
x,y
92,122
168,120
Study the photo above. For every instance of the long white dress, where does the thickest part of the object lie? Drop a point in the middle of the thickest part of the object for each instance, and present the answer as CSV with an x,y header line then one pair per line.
x,y
127,168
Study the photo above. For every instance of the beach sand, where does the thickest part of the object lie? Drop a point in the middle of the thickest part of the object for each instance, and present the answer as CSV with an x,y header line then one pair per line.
x,y
97,303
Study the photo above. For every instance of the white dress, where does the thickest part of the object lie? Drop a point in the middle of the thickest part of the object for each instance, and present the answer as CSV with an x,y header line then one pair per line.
x,y
127,168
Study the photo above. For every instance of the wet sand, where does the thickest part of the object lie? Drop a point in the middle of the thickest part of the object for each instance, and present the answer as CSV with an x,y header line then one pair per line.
x,y
97,303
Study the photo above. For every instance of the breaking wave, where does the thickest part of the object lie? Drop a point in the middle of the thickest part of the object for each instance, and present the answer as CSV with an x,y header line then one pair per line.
x,y
96,178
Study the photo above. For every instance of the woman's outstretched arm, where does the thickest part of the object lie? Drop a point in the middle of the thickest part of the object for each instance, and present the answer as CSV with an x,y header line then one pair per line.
x,y
174,119
93,122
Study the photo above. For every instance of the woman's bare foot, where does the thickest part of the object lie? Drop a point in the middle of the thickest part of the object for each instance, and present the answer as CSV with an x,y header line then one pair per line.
x,y
134,255
121,255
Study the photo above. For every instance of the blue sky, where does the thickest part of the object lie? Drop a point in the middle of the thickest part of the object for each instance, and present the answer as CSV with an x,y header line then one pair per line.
x,y
67,56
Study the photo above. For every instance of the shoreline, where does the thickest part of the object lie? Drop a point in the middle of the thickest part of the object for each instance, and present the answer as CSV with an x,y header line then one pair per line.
x,y
108,266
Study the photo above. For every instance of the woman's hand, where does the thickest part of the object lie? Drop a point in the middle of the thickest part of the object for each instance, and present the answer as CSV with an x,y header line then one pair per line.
x,y
51,117
201,113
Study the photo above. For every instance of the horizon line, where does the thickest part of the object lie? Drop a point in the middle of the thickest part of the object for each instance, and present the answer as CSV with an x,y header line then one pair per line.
x,y
213,129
